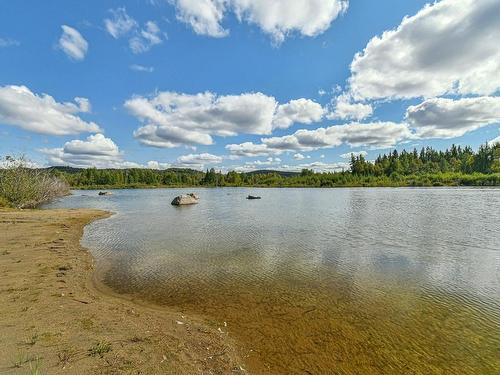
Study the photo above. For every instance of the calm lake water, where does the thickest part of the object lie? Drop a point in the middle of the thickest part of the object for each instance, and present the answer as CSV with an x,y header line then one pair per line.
x,y
317,281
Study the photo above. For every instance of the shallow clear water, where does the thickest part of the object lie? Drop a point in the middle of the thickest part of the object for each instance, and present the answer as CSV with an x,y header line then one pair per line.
x,y
317,280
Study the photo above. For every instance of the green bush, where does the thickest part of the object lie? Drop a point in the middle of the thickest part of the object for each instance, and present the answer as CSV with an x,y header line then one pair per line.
x,y
22,186
4,202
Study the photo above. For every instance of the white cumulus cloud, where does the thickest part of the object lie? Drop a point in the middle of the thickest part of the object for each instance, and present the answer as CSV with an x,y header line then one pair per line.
x,y
248,149
304,111
199,159
72,43
260,163
83,104
170,136
204,16
172,119
316,166
153,164
96,151
448,118
450,46
494,141
42,113
319,166
356,153
345,108
277,18
373,135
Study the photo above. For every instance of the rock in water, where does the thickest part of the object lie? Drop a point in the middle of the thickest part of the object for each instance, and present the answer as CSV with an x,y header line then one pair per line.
x,y
182,200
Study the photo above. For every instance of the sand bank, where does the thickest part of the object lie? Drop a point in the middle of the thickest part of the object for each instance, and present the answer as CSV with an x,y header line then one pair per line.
x,y
54,318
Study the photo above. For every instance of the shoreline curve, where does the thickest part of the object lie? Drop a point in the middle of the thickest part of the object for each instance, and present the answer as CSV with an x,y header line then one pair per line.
x,y
57,315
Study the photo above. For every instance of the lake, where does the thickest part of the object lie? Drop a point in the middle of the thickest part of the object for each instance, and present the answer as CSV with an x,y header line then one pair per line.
x,y
317,281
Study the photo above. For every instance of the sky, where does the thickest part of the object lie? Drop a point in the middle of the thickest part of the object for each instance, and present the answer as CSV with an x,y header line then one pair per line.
x,y
245,84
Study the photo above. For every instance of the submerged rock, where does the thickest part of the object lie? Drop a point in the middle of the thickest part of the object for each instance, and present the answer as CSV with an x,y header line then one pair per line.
x,y
185,199
253,197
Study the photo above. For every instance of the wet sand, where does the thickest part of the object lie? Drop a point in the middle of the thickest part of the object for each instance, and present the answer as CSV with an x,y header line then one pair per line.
x,y
55,318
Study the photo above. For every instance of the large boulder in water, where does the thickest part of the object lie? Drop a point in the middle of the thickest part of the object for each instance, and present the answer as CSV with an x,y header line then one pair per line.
x,y
182,200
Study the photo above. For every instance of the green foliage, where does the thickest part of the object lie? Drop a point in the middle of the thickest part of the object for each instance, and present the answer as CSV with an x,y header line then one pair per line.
x,y
35,366
4,202
429,161
130,178
427,167
34,362
99,349
22,186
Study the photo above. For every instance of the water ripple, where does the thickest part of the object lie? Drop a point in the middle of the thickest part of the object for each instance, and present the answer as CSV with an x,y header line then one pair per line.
x,y
360,280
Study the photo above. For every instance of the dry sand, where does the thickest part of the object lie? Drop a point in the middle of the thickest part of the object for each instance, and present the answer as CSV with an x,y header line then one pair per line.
x,y
53,318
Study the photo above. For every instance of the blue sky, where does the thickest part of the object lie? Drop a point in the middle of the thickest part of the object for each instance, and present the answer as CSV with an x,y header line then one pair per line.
x,y
244,84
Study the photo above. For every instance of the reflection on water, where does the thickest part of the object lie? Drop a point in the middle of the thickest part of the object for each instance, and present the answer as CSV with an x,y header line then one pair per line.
x,y
318,281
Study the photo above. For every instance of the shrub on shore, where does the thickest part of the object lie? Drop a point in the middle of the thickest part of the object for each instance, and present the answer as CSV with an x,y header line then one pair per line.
x,y
4,202
22,186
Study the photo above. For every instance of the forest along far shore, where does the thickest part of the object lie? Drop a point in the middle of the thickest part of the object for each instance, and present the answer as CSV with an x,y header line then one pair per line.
x,y
22,186
456,166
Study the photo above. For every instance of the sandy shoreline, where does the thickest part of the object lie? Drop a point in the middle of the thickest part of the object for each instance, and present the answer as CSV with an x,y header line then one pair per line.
x,y
54,317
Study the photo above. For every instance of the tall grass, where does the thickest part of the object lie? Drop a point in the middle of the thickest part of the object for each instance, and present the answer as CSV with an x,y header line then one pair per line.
x,y
22,186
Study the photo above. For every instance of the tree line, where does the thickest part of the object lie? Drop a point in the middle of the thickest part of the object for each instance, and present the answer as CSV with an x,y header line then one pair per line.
x,y
426,167
455,159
